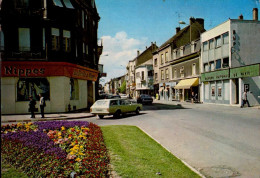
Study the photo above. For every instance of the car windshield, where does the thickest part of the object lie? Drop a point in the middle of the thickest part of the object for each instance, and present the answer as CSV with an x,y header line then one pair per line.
x,y
101,103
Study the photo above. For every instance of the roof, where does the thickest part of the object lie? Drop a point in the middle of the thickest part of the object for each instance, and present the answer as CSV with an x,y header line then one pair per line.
x,y
146,55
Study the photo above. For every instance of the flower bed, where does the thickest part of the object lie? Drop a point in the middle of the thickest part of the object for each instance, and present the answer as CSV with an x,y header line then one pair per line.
x,y
55,149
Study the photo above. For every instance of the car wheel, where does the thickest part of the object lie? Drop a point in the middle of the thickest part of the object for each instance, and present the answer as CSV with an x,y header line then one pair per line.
x,y
117,114
101,116
137,111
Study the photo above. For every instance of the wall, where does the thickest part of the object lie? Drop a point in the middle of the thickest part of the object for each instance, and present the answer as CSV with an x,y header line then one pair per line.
x,y
246,50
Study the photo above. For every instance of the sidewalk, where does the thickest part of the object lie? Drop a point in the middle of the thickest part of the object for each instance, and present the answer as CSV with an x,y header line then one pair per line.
x,y
60,116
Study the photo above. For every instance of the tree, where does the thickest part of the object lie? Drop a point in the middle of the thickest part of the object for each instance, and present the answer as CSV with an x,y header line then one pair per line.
x,y
122,89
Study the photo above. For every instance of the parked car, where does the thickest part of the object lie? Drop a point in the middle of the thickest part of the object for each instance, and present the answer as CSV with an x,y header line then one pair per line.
x,y
115,107
143,98
124,96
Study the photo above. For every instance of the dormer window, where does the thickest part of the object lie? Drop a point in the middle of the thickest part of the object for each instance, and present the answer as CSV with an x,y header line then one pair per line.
x,y
57,3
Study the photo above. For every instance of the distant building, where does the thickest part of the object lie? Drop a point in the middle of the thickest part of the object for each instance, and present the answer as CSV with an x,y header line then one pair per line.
x,y
49,47
130,75
230,62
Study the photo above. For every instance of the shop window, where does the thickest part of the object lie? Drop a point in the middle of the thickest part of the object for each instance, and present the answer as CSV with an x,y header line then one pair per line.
x,y
43,39
74,89
66,41
218,64
32,87
24,39
225,38
225,62
213,91
219,91
55,41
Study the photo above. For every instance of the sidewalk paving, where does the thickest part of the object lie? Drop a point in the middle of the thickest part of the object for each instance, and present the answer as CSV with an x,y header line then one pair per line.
x,y
48,117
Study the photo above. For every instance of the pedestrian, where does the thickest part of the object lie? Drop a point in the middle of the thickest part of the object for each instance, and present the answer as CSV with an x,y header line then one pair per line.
x,y
42,104
244,99
32,104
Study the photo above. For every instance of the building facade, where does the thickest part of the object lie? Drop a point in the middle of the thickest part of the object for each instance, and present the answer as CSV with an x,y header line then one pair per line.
x,y
49,47
176,63
230,62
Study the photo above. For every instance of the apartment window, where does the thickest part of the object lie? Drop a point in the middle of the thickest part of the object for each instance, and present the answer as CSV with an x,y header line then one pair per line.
x,y
155,62
43,39
206,67
218,41
225,38
156,76
182,71
218,64
24,39
83,19
166,57
66,41
142,75
219,91
167,73
83,48
175,73
174,54
150,73
138,75
2,44
22,3
211,44
193,69
162,59
225,62
205,46
211,66
55,34
162,74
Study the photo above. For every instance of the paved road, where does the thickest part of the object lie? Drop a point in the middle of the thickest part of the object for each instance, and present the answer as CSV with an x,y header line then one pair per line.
x,y
219,141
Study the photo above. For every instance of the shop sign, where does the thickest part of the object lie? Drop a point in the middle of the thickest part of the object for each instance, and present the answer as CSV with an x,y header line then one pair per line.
x,y
246,71
215,75
47,69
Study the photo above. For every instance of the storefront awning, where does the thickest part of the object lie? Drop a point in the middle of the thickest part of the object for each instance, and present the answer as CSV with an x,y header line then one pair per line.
x,y
187,83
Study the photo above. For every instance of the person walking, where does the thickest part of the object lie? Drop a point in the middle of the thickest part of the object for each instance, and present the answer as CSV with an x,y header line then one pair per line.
x,y
42,104
32,104
244,99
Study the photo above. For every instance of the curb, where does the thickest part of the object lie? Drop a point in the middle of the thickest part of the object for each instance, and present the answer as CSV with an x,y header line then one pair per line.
x,y
186,164
49,119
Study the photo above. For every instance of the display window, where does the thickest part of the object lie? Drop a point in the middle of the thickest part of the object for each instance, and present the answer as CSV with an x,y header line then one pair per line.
x,y
32,87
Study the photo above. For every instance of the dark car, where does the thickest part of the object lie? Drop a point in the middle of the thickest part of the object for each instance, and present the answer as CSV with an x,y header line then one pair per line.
x,y
145,99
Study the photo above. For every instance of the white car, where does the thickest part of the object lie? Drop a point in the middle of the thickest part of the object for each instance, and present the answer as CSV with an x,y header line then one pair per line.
x,y
115,107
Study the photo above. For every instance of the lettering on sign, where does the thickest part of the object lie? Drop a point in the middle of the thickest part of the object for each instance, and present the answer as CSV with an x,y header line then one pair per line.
x,y
9,70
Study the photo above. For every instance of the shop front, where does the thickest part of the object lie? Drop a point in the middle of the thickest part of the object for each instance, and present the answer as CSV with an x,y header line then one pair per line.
x,y
185,88
165,91
226,86
65,86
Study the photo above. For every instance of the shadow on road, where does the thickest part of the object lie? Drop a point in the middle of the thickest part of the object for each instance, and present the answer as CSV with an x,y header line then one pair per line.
x,y
159,106
123,116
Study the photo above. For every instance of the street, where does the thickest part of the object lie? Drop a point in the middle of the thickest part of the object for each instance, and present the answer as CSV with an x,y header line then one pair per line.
x,y
217,140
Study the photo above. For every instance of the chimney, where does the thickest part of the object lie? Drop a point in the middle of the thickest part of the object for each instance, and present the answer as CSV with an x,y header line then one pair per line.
x,y
241,17
192,19
255,14
138,52
178,29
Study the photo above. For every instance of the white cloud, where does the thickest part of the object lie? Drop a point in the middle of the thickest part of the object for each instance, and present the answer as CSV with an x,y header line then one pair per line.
x,y
117,51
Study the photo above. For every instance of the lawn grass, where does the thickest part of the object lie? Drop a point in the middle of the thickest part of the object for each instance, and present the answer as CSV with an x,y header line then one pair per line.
x,y
8,171
135,154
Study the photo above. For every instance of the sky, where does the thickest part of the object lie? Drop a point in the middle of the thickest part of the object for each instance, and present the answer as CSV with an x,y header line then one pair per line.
x,y
126,26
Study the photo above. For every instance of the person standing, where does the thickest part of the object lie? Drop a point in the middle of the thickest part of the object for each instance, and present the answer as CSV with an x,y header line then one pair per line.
x,y
32,104
244,99
42,104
